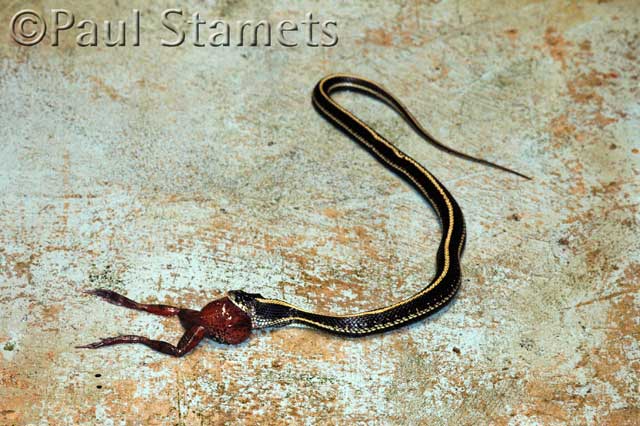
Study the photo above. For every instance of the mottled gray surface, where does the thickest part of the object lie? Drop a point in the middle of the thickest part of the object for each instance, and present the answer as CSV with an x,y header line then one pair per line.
x,y
175,174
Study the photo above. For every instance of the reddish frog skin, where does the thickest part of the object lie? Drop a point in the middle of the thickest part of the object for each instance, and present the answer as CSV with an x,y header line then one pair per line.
x,y
223,321
219,320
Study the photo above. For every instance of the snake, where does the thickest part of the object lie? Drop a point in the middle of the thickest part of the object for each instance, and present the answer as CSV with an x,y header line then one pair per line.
x,y
266,312
231,318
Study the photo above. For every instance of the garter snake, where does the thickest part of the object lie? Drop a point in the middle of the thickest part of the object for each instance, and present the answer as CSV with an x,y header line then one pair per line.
x,y
265,312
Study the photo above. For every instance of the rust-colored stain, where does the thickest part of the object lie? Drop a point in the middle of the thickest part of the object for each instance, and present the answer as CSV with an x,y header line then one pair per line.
x,y
103,88
582,88
378,36
561,129
512,33
172,175
557,46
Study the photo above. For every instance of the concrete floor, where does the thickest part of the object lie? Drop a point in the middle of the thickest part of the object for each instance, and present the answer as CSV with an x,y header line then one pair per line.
x,y
175,174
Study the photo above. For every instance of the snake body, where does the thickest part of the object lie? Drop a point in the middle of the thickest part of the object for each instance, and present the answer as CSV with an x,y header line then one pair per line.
x,y
265,312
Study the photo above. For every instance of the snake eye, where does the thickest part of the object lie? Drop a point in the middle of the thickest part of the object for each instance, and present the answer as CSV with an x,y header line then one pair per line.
x,y
225,322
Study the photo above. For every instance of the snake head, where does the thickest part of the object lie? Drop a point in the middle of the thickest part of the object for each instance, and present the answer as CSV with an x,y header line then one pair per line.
x,y
245,301
225,322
